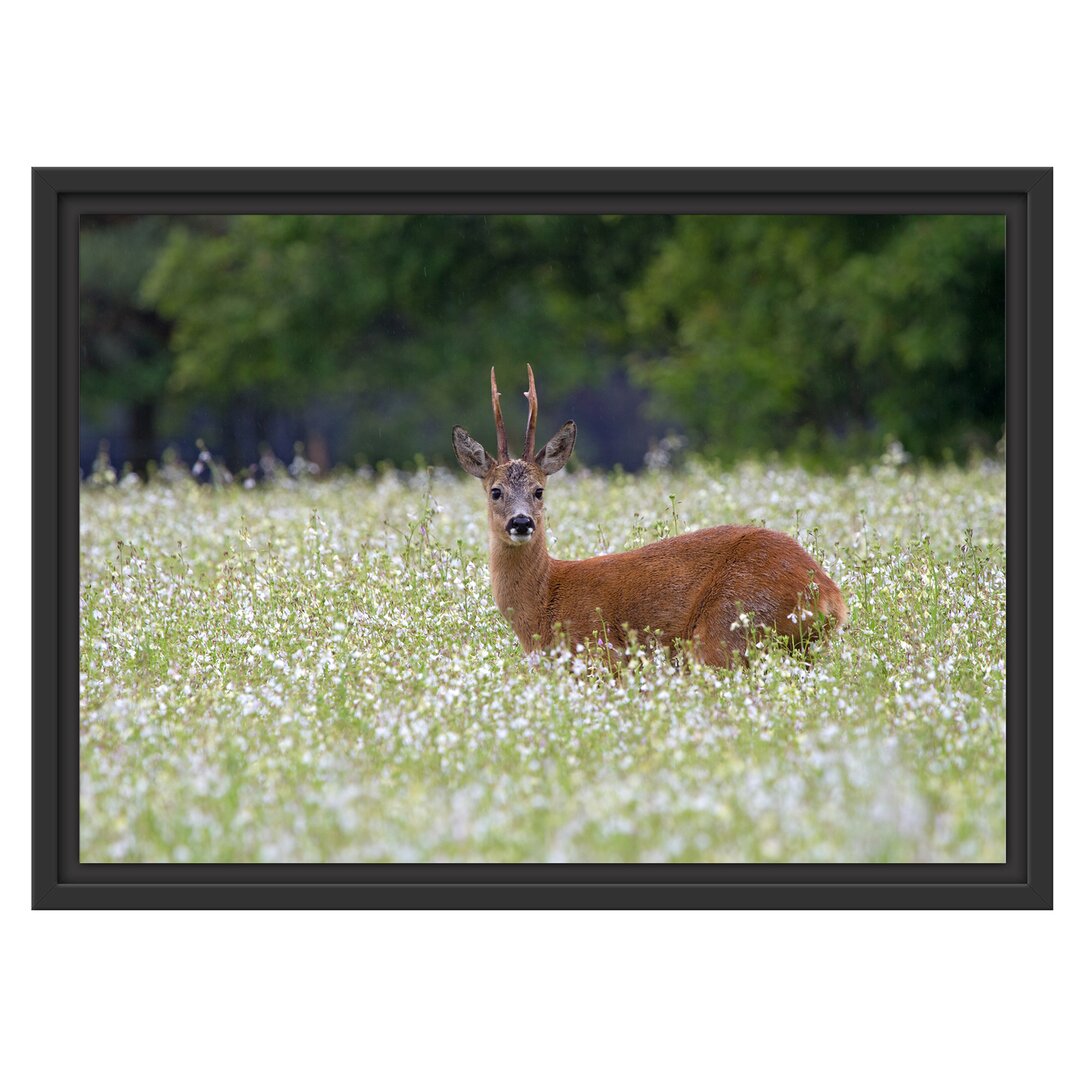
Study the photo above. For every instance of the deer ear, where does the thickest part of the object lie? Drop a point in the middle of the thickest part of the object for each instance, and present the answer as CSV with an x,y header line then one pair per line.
x,y
557,452
472,457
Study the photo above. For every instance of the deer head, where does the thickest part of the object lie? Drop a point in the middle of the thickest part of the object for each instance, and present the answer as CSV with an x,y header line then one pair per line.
x,y
515,486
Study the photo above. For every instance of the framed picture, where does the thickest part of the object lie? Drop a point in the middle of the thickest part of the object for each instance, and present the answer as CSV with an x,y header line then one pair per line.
x,y
309,633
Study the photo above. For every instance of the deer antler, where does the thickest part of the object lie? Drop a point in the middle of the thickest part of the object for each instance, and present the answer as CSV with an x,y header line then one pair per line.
x,y
530,430
500,427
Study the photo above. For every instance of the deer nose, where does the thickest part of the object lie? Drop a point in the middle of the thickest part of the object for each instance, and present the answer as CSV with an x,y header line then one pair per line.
x,y
520,525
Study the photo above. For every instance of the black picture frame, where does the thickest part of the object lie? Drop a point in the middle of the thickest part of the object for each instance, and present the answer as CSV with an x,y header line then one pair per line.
x,y
1024,196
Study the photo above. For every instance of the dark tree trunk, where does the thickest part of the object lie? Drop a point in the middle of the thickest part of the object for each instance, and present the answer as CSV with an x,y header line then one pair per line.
x,y
143,433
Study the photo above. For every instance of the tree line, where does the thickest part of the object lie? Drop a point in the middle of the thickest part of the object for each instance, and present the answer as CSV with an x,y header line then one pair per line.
x,y
822,337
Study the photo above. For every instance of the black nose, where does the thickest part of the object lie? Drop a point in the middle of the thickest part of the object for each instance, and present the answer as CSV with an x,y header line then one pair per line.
x,y
520,525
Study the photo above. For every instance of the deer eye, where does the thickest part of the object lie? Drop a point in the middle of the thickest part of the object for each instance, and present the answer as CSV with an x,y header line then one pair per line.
x,y
496,494
539,493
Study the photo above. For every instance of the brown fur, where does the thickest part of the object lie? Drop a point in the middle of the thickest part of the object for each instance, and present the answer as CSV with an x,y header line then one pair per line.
x,y
689,588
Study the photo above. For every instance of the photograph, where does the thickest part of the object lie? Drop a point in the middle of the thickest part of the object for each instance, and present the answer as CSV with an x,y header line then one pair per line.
x,y
540,523
542,538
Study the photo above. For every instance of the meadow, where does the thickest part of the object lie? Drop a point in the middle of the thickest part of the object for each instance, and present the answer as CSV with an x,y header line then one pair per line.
x,y
314,671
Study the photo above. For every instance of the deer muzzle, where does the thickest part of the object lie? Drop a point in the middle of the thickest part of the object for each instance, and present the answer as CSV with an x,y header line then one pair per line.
x,y
520,528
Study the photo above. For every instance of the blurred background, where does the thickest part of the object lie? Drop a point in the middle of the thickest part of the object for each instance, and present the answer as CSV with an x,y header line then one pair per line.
x,y
826,339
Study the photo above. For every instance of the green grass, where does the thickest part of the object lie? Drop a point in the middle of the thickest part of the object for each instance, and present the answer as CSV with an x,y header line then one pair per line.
x,y
317,672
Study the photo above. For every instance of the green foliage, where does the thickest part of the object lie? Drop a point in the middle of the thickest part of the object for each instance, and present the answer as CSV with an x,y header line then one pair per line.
x,y
804,333
825,337
126,358
399,315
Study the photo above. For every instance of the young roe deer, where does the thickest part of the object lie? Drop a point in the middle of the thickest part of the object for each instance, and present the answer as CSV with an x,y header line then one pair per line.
x,y
690,588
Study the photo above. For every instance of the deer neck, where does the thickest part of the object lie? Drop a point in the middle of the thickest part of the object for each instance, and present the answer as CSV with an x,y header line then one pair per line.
x,y
519,583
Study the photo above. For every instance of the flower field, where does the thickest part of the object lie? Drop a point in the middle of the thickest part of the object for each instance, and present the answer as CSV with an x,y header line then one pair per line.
x,y
315,671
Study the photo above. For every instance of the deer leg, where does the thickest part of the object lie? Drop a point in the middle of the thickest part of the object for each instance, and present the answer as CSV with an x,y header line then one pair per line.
x,y
714,640
720,638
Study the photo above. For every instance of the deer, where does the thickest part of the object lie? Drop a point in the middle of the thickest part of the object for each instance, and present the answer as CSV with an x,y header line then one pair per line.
x,y
700,591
